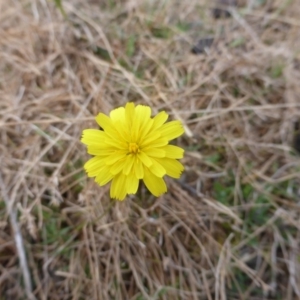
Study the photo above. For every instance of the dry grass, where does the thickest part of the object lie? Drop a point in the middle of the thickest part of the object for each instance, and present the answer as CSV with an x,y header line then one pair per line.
x,y
229,229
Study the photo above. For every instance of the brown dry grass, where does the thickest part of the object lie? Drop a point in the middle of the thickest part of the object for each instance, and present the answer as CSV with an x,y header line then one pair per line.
x,y
229,229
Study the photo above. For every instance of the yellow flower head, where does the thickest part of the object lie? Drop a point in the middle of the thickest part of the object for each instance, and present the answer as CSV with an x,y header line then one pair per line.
x,y
133,146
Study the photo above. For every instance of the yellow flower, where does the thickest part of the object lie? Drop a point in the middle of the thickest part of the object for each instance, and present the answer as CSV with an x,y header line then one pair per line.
x,y
133,146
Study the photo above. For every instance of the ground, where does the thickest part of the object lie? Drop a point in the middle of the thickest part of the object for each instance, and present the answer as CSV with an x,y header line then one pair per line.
x,y
229,227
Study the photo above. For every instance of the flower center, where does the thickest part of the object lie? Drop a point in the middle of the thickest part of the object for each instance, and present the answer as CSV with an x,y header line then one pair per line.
x,y
133,148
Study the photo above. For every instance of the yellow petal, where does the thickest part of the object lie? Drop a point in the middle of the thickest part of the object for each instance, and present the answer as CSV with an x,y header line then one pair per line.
x,y
103,121
135,128
157,169
113,133
160,119
155,185
144,158
123,131
173,151
118,114
104,176
155,152
146,127
129,113
150,138
173,167
93,165
132,184
100,150
108,126
171,130
118,166
141,118
92,136
117,156
138,168
157,143
118,187
115,142
128,164
116,130
144,111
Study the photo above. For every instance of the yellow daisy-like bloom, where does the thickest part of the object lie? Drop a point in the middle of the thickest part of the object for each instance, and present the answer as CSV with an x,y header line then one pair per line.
x,y
133,146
